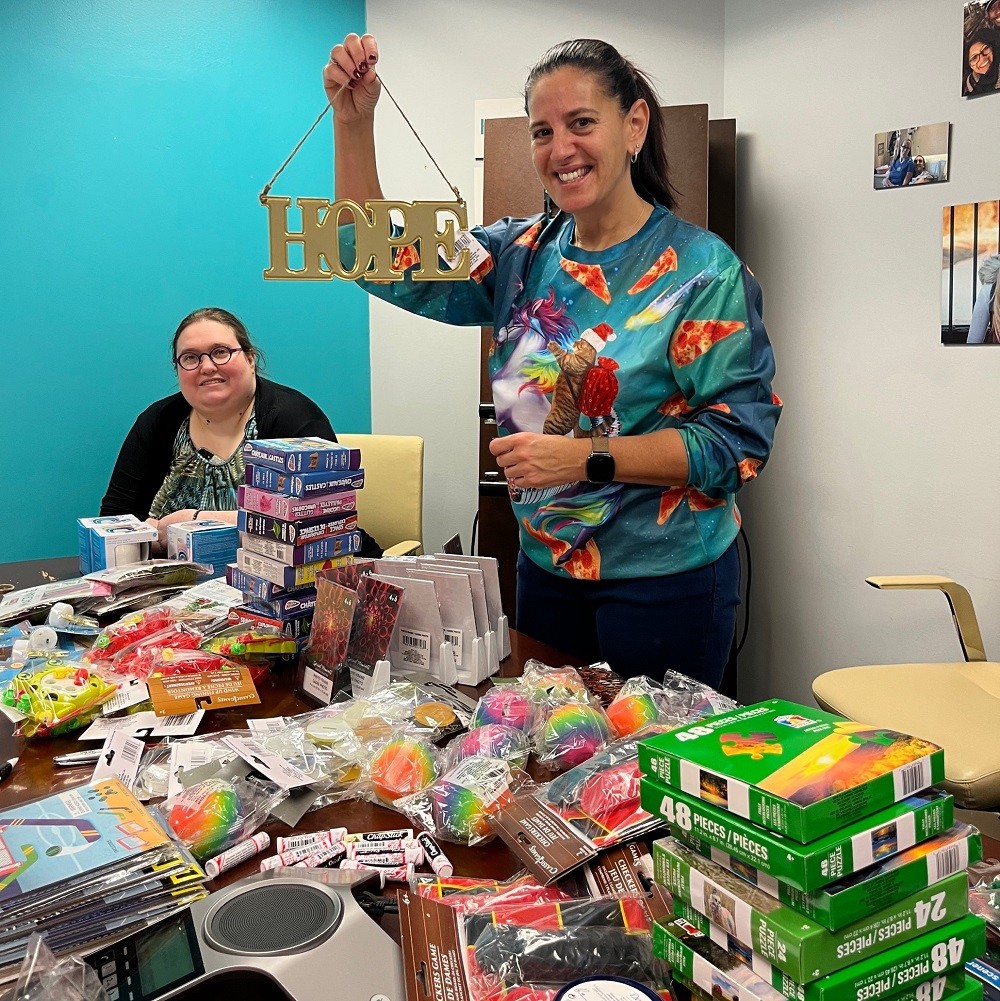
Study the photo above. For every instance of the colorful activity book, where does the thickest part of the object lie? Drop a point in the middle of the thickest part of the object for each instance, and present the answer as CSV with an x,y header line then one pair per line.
x,y
796,771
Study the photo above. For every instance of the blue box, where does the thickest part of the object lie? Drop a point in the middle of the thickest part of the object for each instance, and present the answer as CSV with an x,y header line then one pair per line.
x,y
204,541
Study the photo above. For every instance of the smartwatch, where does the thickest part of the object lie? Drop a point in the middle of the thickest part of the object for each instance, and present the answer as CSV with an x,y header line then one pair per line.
x,y
600,462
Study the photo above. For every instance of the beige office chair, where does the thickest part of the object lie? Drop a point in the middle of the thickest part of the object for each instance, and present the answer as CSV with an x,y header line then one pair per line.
x,y
391,505
954,705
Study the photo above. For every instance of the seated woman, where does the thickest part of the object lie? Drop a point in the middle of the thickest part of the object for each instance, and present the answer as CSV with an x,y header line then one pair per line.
x,y
184,454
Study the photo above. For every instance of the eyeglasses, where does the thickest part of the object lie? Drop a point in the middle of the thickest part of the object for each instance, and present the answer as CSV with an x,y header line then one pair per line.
x,y
219,355
985,54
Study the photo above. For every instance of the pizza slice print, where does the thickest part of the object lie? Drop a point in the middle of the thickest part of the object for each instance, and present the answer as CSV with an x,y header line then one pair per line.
x,y
590,276
694,337
530,236
667,262
671,499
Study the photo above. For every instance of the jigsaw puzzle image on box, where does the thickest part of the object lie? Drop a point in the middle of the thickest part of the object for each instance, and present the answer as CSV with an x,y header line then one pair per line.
x,y
794,770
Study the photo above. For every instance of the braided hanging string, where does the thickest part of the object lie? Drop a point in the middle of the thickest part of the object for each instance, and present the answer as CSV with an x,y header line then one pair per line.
x,y
298,146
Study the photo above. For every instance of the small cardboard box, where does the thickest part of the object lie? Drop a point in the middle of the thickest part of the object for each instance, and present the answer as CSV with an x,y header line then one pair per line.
x,y
204,541
84,530
119,544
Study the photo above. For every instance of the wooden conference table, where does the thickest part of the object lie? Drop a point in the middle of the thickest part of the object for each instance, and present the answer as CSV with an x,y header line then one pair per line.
x,y
36,775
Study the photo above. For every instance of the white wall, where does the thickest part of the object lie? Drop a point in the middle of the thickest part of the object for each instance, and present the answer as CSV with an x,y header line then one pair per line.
x,y
885,458
438,58
886,455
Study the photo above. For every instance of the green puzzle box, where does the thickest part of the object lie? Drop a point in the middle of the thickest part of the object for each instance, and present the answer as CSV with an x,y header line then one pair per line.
x,y
811,866
797,771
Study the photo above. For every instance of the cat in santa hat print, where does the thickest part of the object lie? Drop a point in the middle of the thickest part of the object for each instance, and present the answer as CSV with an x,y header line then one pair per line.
x,y
586,385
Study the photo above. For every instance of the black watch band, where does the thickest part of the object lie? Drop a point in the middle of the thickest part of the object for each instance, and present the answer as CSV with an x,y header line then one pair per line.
x,y
600,462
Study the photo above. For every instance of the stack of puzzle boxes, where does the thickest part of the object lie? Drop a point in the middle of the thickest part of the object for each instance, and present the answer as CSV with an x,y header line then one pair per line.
x,y
811,859
297,516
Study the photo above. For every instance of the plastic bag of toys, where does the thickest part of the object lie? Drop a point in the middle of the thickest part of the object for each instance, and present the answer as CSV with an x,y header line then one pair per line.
x,y
324,747
136,660
530,950
505,705
469,895
56,694
241,641
569,734
399,764
128,631
211,816
147,573
600,798
169,661
552,686
684,700
43,977
636,706
410,706
492,740
457,806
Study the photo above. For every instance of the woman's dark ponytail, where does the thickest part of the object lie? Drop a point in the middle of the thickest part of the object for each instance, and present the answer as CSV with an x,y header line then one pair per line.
x,y
624,83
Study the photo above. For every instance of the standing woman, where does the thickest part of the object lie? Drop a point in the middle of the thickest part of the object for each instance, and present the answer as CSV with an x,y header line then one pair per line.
x,y
631,372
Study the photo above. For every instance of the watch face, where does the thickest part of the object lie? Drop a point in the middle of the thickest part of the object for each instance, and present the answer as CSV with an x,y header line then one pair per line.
x,y
600,468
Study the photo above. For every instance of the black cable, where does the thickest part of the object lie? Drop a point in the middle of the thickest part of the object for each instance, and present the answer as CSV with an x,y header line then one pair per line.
x,y
375,906
746,592
475,526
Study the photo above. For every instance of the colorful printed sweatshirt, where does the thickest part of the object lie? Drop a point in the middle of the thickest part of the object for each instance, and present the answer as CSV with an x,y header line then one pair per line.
x,y
661,331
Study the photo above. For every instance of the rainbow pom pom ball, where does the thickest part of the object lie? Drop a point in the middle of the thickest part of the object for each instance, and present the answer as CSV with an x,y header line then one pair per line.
x,y
205,818
572,734
505,707
491,741
402,767
631,713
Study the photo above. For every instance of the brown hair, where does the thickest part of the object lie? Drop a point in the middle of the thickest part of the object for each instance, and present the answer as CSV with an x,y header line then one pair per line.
x,y
227,319
625,83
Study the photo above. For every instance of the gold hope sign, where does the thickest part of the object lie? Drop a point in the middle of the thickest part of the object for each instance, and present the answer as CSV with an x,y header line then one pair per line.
x,y
374,238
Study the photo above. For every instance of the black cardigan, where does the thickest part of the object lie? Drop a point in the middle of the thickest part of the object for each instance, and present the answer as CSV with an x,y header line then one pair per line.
x,y
148,449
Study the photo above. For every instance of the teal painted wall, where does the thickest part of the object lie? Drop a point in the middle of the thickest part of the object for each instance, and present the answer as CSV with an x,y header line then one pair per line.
x,y
134,140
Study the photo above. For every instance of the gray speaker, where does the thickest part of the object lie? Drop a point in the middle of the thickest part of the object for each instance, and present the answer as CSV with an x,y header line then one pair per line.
x,y
289,933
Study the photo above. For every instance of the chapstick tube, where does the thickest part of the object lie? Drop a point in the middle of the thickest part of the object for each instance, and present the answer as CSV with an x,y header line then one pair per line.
x,y
436,858
377,837
298,840
388,856
237,854
402,874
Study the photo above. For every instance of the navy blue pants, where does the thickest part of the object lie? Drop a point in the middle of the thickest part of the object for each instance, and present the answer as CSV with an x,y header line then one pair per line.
x,y
683,622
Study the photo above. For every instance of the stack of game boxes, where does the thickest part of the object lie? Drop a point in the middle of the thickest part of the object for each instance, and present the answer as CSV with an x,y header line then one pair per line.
x,y
810,860
297,516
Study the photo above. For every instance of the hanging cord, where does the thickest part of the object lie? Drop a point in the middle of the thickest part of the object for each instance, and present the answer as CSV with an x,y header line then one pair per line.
x,y
288,159
746,593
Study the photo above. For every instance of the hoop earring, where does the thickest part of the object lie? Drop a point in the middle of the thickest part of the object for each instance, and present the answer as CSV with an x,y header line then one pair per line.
x,y
635,155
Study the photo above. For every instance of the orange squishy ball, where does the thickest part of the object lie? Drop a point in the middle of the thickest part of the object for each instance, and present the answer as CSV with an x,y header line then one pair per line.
x,y
402,767
631,713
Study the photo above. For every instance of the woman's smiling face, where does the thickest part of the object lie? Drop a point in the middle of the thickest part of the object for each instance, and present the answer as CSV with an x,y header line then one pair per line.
x,y
580,142
213,387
